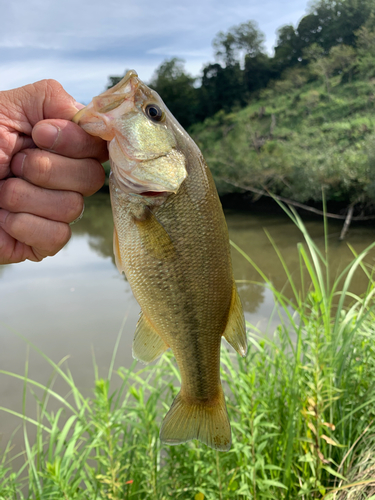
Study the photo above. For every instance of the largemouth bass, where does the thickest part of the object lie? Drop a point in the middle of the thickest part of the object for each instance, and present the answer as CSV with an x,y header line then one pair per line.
x,y
171,240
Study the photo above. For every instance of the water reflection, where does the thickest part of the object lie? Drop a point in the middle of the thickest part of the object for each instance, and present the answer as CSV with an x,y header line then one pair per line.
x,y
250,234
97,225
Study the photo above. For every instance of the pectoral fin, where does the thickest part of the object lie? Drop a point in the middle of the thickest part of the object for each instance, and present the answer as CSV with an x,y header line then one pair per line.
x,y
147,343
116,251
235,331
155,238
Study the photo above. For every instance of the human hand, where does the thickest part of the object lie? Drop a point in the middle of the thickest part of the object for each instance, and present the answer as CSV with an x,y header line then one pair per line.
x,y
47,165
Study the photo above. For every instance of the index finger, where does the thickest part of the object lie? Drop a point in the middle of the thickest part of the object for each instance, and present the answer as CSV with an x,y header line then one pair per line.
x,y
68,139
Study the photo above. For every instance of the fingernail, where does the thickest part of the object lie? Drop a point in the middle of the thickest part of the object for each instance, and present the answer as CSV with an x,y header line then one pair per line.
x,y
46,135
18,162
3,216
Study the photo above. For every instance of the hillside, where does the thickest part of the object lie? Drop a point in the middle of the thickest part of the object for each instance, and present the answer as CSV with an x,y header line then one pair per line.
x,y
296,140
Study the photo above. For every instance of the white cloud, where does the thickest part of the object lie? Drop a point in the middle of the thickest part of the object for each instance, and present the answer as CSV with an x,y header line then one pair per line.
x,y
82,79
81,42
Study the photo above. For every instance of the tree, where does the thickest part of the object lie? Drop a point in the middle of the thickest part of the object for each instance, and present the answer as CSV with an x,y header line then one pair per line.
x,y
177,90
329,23
366,49
114,80
338,20
239,41
286,50
258,71
313,52
319,64
343,58
308,31
221,88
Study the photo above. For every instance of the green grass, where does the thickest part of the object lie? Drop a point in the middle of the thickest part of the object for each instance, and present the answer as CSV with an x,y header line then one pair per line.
x,y
301,404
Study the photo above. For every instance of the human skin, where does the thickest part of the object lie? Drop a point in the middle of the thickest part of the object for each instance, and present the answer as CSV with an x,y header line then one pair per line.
x,y
47,165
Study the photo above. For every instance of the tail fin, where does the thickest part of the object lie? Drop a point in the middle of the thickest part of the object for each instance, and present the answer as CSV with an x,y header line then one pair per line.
x,y
186,421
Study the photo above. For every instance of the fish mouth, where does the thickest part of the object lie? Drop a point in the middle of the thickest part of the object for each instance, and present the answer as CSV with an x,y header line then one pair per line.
x,y
154,194
95,118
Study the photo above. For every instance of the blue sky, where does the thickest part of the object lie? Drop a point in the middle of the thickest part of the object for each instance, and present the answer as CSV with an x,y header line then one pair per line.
x,y
81,42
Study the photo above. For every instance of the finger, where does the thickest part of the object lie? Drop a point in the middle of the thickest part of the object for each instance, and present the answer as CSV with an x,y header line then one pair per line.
x,y
12,251
19,196
45,237
68,139
52,171
10,143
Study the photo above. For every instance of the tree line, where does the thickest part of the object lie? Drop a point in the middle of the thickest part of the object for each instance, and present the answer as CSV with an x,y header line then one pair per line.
x,y
335,37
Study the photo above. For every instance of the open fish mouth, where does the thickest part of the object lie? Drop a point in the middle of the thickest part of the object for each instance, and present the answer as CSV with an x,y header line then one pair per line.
x,y
155,193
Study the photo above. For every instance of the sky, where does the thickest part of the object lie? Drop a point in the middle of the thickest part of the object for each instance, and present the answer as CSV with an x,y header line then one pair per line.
x,y
81,42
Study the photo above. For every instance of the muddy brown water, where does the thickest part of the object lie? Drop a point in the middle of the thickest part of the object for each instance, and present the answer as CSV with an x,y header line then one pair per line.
x,y
73,305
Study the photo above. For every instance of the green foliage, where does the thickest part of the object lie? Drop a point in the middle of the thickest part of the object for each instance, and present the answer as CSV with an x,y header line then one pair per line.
x,y
242,39
366,51
221,89
296,140
301,404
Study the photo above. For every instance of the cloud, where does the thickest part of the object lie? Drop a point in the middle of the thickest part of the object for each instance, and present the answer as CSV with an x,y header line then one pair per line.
x,y
81,42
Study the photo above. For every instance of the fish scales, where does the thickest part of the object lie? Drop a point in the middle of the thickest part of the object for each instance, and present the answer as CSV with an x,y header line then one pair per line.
x,y
201,298
171,240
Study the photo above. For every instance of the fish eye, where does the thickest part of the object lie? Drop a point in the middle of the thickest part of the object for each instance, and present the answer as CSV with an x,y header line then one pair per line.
x,y
154,112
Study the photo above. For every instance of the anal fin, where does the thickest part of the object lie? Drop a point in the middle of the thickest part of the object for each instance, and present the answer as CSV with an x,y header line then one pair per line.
x,y
235,331
147,343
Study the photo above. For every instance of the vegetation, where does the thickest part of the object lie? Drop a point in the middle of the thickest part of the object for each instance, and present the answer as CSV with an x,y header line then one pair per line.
x,y
296,141
302,407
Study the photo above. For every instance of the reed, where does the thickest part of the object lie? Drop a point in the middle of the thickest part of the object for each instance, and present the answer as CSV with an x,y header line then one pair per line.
x,y
301,404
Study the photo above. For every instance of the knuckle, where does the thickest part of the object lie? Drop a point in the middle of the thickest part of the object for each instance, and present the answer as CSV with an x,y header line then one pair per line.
x,y
42,170
11,194
75,206
49,85
94,177
58,238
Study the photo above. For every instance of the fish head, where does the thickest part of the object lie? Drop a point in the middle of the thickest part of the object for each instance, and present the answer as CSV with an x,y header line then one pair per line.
x,y
141,134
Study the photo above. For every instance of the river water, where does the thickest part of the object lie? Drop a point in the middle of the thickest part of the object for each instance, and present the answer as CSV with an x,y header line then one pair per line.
x,y
74,304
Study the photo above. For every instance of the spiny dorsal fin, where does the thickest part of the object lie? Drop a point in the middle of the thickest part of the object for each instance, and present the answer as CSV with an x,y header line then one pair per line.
x,y
194,420
147,343
235,331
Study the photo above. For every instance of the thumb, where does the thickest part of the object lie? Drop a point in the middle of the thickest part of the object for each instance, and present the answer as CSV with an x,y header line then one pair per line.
x,y
47,99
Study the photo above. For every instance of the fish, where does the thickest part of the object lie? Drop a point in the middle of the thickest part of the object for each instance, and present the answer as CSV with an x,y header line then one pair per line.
x,y
171,241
